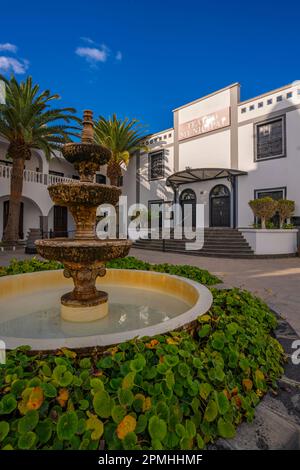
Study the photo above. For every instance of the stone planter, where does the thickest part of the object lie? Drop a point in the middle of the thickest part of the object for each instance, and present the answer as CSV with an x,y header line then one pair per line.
x,y
271,241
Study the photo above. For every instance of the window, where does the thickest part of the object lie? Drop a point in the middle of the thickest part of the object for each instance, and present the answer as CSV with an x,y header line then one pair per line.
x,y
270,101
260,104
243,110
251,107
120,181
101,179
274,193
279,98
170,135
270,139
289,95
157,169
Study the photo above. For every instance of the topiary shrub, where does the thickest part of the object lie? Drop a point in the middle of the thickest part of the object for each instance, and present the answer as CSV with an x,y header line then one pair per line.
x,y
285,208
263,208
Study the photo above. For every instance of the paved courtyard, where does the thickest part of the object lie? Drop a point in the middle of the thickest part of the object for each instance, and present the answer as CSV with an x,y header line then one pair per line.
x,y
277,281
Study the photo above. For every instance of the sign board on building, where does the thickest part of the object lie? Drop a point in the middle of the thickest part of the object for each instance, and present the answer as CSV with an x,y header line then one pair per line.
x,y
204,124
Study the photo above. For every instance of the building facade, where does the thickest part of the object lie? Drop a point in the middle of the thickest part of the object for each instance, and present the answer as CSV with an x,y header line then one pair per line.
x,y
221,152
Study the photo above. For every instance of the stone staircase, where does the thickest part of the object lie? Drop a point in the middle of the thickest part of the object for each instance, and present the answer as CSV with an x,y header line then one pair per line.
x,y
33,235
218,242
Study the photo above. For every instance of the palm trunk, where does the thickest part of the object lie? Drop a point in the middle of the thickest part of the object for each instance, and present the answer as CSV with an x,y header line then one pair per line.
x,y
113,172
11,231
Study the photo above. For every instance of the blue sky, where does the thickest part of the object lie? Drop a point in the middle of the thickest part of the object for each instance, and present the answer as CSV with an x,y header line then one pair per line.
x,y
144,58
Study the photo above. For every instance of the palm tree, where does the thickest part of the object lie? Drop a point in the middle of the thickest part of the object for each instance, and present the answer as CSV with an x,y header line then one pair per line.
x,y
28,122
123,138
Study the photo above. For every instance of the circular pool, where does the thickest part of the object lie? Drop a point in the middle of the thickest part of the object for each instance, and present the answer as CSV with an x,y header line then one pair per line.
x,y
141,303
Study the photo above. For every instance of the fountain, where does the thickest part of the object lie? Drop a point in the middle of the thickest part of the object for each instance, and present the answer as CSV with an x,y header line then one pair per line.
x,y
35,308
84,256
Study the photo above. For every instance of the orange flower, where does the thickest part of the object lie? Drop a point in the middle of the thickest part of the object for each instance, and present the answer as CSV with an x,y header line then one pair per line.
x,y
152,344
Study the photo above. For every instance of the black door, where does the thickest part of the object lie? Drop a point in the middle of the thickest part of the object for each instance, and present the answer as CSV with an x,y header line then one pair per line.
x,y
60,221
220,206
188,207
155,212
5,218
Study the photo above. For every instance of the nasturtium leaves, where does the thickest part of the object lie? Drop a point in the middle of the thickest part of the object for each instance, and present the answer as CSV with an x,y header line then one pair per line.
x,y
204,331
128,381
44,430
62,376
138,363
127,425
97,427
28,422
170,380
204,389
67,425
117,413
211,411
225,429
85,363
7,404
130,441
183,369
96,384
141,424
4,430
157,428
102,404
27,440
222,402
49,390
218,340
125,396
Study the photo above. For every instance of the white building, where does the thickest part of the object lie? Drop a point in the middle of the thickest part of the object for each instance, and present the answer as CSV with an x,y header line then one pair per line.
x,y
221,152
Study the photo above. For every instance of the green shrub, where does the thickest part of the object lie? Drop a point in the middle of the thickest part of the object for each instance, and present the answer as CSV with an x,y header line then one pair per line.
x,y
263,208
191,272
168,392
285,208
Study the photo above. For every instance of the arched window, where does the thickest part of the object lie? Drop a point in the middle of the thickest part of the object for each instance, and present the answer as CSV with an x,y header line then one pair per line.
x,y
188,195
220,191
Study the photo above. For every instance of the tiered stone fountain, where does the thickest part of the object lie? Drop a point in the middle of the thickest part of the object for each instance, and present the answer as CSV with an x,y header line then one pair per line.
x,y
84,256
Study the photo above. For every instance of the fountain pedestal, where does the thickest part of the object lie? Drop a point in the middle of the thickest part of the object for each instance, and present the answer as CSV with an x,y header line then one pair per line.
x,y
84,256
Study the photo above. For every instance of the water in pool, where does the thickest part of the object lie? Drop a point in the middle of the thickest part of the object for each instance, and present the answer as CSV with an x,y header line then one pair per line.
x,y
38,315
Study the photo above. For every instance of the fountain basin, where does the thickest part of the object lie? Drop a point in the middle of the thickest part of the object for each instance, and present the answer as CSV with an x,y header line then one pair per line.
x,y
84,193
82,251
141,303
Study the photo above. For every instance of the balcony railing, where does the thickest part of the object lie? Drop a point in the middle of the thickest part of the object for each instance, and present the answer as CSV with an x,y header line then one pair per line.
x,y
34,176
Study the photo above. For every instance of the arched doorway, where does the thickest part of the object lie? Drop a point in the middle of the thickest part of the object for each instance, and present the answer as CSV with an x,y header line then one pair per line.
x,y
219,202
188,201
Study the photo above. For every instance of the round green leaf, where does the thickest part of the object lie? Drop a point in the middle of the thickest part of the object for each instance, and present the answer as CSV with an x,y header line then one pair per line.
x,y
49,390
211,411
4,430
222,402
44,431
67,425
27,440
102,404
225,429
62,376
118,412
157,428
28,422
8,404
129,441
125,397
138,363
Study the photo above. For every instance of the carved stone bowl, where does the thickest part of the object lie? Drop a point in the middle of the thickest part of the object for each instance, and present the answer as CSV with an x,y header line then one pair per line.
x,y
82,252
84,193
86,152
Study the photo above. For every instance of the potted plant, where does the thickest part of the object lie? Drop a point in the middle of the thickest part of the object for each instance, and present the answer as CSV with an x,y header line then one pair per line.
x,y
285,208
264,208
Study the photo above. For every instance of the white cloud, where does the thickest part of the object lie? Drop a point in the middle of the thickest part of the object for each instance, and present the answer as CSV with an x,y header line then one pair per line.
x,y
88,40
93,54
119,55
8,64
8,47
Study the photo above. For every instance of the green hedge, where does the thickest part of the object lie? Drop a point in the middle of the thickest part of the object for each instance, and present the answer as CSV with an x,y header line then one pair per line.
x,y
191,272
167,392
